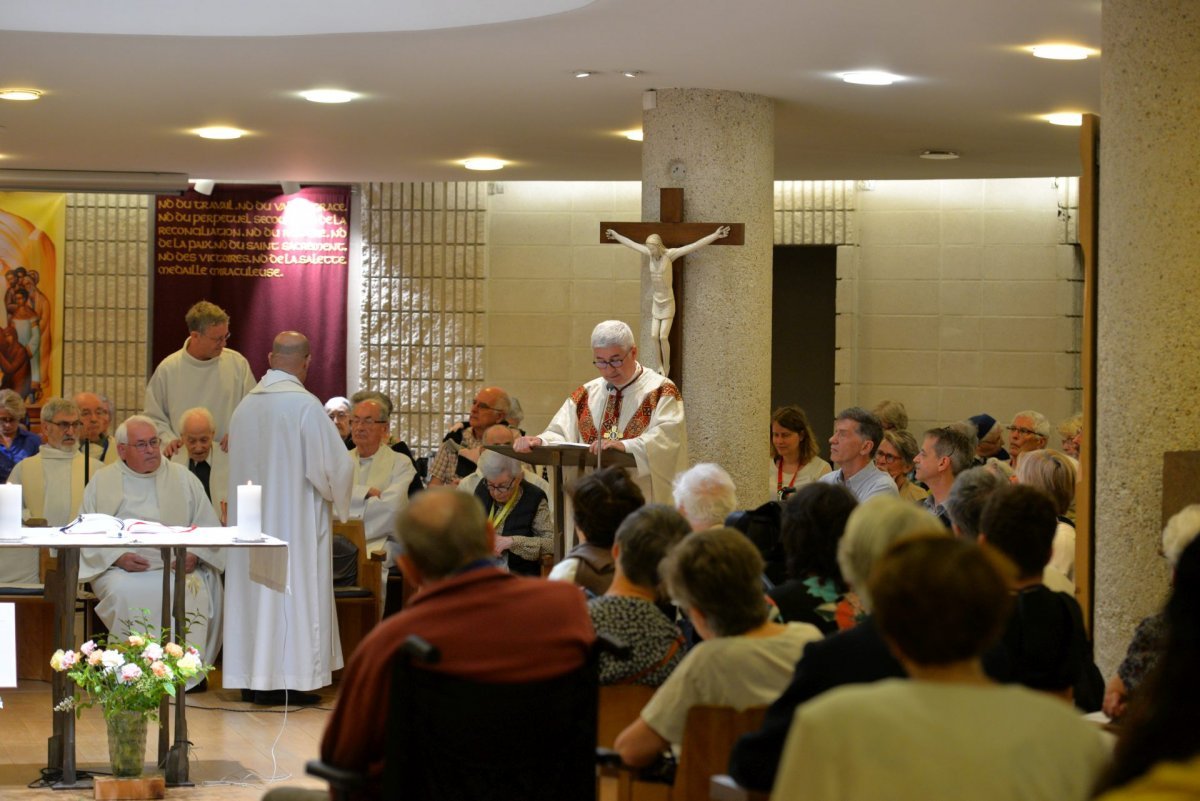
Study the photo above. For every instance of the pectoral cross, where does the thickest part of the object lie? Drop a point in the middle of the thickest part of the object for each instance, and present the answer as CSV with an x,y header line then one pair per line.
x,y
674,233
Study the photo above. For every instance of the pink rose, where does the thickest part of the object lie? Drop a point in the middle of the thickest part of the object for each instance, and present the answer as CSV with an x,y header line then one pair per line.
x,y
130,673
160,670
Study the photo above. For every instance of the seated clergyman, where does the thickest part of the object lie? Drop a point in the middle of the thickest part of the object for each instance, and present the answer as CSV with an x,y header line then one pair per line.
x,y
199,454
144,486
59,466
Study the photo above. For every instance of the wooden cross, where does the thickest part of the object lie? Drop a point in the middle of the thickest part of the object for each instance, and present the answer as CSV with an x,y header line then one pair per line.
x,y
675,233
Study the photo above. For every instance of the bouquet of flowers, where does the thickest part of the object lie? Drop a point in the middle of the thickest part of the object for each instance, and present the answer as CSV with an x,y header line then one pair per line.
x,y
130,674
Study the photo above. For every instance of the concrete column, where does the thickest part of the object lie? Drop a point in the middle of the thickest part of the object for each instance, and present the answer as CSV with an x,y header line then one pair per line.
x,y
1149,286
720,148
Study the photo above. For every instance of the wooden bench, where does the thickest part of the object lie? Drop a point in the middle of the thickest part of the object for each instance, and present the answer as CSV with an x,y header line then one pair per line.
x,y
358,607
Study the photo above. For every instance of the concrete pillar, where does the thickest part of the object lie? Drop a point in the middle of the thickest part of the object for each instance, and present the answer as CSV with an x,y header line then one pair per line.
x,y
720,148
1148,381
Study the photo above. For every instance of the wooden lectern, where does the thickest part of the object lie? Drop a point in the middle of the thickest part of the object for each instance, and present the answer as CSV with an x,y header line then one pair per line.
x,y
558,456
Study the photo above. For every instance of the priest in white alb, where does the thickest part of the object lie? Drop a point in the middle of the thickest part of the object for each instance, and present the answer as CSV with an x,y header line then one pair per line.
x,y
59,466
628,408
202,373
286,638
381,476
145,486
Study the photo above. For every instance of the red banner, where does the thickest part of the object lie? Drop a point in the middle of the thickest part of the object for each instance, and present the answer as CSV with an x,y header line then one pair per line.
x,y
273,262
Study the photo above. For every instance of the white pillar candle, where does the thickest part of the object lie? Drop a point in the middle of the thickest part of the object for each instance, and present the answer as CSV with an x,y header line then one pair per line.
x,y
249,510
10,509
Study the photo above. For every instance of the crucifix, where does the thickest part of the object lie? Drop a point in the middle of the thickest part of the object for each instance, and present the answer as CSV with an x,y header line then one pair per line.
x,y
666,244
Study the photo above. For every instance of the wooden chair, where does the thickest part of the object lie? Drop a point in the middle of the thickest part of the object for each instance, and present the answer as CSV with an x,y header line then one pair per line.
x,y
358,607
724,788
708,739
620,704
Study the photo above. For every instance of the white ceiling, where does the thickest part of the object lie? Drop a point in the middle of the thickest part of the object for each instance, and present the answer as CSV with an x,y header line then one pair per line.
x,y
125,99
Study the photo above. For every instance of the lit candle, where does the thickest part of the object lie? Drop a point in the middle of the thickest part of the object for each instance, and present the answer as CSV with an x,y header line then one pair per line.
x,y
249,510
10,509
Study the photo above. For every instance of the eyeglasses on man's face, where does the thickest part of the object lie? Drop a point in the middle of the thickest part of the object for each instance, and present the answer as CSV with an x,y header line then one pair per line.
x,y
483,407
505,487
146,445
1021,430
65,425
365,421
219,337
613,363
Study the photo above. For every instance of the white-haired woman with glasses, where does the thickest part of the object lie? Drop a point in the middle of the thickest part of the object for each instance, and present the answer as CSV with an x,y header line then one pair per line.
x,y
16,441
519,513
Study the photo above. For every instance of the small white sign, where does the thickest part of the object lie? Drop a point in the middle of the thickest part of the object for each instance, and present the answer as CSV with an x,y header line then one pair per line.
x,y
8,645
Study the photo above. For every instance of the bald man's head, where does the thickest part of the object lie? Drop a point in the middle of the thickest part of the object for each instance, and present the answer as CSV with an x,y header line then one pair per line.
x,y
499,434
290,353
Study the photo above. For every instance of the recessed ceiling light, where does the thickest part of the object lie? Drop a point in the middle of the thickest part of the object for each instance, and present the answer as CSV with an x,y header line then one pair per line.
x,y
483,164
1071,118
1062,52
869,77
631,73
20,94
634,135
939,155
219,132
584,73
329,95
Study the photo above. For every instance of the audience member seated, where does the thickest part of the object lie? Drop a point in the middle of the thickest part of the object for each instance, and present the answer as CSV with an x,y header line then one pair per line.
x,y
705,495
968,495
948,732
629,610
503,434
489,626
891,415
894,456
460,448
516,415
856,656
814,520
1071,431
856,436
96,417
600,500
1053,474
518,512
381,476
397,445
744,661
1045,646
338,409
945,452
144,486
198,433
989,434
58,465
1158,747
1028,431
1149,639
16,441
794,459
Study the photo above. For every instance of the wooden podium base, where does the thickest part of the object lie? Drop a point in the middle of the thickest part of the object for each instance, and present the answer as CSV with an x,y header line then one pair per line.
x,y
108,788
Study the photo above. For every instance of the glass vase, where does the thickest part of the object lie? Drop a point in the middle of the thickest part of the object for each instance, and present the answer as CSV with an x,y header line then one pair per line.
x,y
126,742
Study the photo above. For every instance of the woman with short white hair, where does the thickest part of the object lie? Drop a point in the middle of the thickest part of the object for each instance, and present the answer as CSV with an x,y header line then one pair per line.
x,y
519,513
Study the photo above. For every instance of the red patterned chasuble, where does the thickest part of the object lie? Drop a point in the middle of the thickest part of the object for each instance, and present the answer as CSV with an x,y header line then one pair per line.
x,y
636,425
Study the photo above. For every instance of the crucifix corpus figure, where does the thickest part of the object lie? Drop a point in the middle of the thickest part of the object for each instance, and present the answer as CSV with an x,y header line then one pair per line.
x,y
662,292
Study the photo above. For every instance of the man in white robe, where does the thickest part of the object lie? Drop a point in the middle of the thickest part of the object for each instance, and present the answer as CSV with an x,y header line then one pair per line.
x,y
628,408
93,413
144,486
202,373
57,465
207,463
381,476
280,438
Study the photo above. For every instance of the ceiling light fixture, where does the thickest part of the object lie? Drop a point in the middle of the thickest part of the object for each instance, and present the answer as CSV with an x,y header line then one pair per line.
x,y
204,186
939,155
634,135
483,163
1070,118
583,73
1062,52
869,77
329,95
219,132
631,73
20,94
